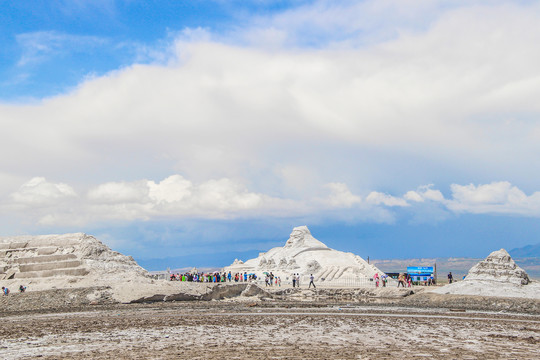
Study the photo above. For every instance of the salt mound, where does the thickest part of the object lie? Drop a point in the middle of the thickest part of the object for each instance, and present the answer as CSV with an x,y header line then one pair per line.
x,y
55,256
305,255
500,267
67,261
496,275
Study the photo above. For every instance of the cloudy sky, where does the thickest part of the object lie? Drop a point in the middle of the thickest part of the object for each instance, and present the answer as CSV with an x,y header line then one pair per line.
x,y
202,131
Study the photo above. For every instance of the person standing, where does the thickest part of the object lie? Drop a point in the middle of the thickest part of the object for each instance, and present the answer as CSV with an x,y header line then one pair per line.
x,y
450,277
401,280
293,280
376,278
311,278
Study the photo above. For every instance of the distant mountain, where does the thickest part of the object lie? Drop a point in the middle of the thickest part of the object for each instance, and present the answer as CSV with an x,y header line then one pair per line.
x,y
526,251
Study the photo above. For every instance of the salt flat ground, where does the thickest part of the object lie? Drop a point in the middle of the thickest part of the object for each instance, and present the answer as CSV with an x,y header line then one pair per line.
x,y
216,330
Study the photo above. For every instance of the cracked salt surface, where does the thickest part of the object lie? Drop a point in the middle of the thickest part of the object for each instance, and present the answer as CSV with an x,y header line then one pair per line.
x,y
151,334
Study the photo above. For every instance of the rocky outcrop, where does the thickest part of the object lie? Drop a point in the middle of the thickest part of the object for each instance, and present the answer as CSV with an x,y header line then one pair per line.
x,y
215,292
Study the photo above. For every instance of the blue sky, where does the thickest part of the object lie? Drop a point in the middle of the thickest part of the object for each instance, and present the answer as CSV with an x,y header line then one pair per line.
x,y
202,131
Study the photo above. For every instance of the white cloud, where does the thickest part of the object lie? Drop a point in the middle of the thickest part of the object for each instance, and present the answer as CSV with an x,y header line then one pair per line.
x,y
172,189
260,130
424,193
42,45
378,198
496,197
39,192
119,192
334,22
176,197
219,110
340,196
413,196
224,194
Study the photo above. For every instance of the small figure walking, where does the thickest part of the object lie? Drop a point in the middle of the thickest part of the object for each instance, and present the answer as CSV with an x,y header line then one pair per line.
x,y
293,280
311,278
376,278
5,290
450,277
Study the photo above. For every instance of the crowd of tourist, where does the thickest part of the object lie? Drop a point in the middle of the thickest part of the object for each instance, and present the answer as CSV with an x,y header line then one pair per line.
x,y
222,277
216,277
403,280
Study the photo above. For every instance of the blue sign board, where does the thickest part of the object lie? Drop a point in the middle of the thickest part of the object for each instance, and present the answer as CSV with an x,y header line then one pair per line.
x,y
420,270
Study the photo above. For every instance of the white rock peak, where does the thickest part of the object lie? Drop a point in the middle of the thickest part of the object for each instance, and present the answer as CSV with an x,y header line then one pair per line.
x,y
301,238
497,275
303,254
499,267
60,256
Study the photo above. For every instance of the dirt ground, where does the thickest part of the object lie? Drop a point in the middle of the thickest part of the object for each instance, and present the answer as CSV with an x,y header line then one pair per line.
x,y
221,330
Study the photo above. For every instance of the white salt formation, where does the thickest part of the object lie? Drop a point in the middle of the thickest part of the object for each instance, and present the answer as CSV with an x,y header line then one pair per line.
x,y
67,261
496,275
74,261
500,267
305,255
68,255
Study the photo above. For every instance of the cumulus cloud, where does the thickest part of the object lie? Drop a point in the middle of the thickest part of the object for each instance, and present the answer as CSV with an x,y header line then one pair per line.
x,y
40,192
264,130
378,198
173,197
219,109
340,196
496,197
176,197
119,192
424,193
